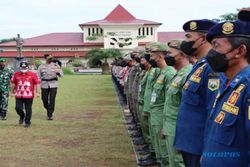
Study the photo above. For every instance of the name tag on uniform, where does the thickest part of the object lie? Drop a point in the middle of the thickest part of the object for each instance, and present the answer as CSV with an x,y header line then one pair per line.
x,y
153,97
139,88
249,112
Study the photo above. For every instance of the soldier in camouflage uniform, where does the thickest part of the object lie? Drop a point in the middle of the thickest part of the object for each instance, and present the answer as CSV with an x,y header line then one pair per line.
x,y
157,59
136,55
131,77
5,77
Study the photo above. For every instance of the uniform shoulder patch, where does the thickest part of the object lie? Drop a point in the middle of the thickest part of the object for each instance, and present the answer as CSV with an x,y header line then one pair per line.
x,y
213,84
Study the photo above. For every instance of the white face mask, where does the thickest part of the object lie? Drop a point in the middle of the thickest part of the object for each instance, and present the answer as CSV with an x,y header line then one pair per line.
x,y
24,71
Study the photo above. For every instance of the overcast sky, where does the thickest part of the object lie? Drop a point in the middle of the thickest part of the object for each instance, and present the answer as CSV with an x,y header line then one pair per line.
x,y
32,18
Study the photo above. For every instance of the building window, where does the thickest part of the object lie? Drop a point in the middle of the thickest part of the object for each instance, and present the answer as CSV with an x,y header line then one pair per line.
x,y
89,31
139,31
151,29
93,31
147,31
101,31
97,31
143,31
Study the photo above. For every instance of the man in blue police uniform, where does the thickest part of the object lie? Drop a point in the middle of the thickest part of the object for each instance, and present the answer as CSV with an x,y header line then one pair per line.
x,y
244,14
228,131
199,92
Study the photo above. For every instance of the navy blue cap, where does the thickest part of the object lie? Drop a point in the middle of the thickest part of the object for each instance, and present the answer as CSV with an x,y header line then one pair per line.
x,y
244,14
229,29
198,25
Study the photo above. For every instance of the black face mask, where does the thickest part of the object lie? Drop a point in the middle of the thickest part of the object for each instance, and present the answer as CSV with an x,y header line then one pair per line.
x,y
169,60
187,47
142,66
124,64
132,56
147,57
153,63
137,59
217,61
2,67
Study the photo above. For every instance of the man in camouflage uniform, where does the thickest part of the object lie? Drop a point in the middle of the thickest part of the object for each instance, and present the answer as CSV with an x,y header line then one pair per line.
x,y
130,80
136,55
180,61
157,59
5,77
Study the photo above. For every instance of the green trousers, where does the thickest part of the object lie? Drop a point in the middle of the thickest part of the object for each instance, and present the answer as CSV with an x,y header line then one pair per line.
x,y
160,146
175,158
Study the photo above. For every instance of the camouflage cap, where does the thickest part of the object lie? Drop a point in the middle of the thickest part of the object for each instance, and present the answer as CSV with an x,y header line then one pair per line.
x,y
147,47
3,59
137,50
158,47
175,43
127,57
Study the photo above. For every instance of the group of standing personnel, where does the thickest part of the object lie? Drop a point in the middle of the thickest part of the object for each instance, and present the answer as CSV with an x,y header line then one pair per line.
x,y
25,85
190,99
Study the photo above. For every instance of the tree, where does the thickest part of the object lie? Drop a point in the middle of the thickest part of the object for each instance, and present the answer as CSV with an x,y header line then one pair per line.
x,y
97,55
7,40
227,17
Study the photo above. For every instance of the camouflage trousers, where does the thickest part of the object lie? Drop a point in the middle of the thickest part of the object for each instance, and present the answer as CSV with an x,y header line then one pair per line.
x,y
4,98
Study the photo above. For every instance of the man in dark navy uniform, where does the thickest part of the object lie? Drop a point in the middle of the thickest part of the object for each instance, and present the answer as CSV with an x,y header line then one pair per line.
x,y
228,131
199,92
244,14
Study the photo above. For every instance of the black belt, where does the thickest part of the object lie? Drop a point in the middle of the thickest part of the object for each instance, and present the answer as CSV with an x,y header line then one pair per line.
x,y
52,79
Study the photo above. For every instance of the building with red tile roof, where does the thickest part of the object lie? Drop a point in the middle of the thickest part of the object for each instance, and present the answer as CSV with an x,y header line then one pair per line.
x,y
119,29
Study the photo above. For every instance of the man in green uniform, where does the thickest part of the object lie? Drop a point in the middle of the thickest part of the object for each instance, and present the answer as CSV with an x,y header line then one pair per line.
x,y
5,77
145,66
157,59
180,61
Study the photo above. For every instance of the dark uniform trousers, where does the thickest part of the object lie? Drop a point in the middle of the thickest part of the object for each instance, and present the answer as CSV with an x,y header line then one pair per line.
x,y
26,103
48,98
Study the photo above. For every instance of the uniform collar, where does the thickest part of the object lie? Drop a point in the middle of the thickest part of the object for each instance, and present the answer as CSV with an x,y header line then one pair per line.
x,y
183,69
240,76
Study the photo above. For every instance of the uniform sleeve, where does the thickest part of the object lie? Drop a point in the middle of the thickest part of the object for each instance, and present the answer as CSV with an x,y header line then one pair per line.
x,y
11,73
39,71
247,125
61,72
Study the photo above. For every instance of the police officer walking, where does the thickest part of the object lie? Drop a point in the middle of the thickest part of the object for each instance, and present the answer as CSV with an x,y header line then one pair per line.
x,y
5,77
48,74
199,92
228,133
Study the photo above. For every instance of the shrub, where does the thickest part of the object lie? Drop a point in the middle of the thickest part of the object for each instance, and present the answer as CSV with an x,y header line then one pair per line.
x,y
67,71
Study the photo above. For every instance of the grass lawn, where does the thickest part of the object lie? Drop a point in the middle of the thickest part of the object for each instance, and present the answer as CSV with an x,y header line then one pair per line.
x,y
87,130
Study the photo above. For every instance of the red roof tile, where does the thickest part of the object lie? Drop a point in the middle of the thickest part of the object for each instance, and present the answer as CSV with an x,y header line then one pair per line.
x,y
54,39
119,15
167,36
41,54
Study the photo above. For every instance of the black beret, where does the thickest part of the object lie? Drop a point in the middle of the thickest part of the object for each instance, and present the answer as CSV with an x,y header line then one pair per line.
x,y
244,14
202,25
229,29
